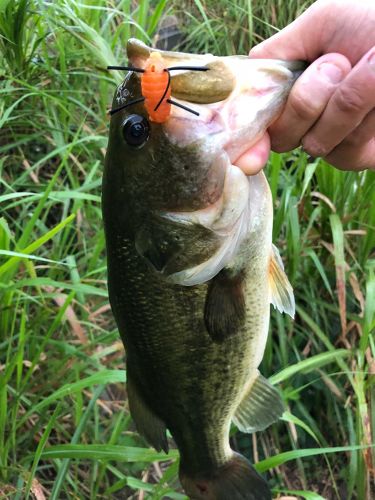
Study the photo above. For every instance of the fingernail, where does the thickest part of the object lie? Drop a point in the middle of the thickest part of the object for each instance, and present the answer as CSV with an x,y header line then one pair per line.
x,y
332,72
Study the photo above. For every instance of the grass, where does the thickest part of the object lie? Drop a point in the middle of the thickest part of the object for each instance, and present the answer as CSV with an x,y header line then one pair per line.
x,y
65,431
232,27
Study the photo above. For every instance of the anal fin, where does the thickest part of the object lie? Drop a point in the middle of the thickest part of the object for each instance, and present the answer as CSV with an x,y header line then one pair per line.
x,y
282,297
224,310
260,407
149,425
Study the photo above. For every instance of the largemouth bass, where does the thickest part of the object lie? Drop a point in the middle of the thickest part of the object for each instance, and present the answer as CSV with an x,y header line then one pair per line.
x,y
191,266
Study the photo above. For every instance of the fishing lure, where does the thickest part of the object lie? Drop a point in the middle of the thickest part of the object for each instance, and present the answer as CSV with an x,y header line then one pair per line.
x,y
156,88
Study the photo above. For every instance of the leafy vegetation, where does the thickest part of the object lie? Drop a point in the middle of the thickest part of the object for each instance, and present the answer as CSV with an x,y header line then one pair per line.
x,y
65,430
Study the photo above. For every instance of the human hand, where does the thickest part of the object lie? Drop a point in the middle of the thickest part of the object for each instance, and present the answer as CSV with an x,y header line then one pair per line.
x,y
331,108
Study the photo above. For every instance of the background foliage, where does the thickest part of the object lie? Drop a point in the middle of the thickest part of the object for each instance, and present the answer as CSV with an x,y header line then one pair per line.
x,y
65,430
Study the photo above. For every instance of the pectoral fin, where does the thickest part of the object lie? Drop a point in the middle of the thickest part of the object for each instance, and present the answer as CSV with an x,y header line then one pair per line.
x,y
148,424
225,305
260,407
282,297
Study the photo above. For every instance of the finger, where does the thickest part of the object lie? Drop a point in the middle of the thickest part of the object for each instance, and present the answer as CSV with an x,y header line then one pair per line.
x,y
307,100
357,151
352,100
256,157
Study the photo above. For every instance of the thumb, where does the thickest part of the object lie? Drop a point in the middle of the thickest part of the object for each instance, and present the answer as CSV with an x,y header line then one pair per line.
x,y
302,39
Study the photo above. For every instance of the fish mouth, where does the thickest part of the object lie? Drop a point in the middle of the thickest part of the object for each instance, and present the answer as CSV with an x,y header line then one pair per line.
x,y
236,99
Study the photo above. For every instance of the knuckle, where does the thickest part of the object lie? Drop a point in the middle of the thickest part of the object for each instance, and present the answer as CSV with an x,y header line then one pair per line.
x,y
349,100
282,140
361,135
303,107
284,135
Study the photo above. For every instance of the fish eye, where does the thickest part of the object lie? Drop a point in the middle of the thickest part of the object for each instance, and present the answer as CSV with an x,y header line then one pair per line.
x,y
136,130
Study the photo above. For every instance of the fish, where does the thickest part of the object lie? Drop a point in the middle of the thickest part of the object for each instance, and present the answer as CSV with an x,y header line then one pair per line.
x,y
192,270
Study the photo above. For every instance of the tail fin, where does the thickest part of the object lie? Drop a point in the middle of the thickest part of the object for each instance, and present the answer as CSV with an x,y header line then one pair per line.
x,y
236,480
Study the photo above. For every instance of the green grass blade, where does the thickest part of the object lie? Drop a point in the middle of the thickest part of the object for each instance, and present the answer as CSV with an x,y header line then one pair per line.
x,y
286,456
106,452
309,364
102,377
13,261
77,434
